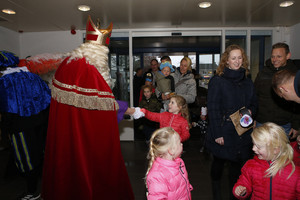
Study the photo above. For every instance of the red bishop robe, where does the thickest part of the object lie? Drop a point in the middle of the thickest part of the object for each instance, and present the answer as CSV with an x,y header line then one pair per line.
x,y
83,159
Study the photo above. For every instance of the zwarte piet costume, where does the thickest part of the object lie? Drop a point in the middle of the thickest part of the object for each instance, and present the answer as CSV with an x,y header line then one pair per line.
x,y
24,108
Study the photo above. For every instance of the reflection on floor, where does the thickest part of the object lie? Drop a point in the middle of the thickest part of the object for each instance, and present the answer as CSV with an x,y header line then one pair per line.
x,y
134,153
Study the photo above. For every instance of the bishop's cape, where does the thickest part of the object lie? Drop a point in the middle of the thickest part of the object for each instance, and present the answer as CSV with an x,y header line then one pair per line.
x,y
83,159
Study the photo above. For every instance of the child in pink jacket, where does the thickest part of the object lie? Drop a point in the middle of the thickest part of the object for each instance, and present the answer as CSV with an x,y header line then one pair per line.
x,y
272,173
166,177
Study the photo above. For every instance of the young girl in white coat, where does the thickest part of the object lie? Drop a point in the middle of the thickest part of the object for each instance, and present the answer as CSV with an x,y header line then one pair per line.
x,y
166,177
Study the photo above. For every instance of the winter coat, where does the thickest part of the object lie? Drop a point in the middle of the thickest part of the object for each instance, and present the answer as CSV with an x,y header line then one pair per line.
x,y
296,158
167,119
164,83
168,180
271,107
152,105
227,94
185,85
261,187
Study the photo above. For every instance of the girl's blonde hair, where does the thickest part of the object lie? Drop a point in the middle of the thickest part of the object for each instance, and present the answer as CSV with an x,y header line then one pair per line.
x,y
161,141
225,56
181,103
277,144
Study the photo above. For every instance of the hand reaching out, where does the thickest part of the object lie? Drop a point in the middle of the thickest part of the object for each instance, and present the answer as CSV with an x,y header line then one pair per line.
x,y
129,111
240,191
143,110
138,113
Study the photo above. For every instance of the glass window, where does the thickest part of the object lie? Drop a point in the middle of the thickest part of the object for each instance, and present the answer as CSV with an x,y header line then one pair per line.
x,y
237,37
208,63
119,68
260,50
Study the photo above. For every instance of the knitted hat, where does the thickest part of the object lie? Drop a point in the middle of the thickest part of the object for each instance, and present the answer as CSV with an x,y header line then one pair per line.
x,y
149,77
166,64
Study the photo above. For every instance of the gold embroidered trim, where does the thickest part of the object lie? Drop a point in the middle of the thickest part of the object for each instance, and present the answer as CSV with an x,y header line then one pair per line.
x,y
80,89
84,101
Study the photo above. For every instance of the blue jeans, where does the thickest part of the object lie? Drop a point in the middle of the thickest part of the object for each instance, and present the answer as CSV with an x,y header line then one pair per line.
x,y
287,127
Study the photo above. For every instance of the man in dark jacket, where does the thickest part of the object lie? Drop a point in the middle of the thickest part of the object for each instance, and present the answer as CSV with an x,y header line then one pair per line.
x,y
154,67
286,83
272,108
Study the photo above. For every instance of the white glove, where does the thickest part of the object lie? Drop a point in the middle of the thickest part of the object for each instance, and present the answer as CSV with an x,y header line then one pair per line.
x,y
138,113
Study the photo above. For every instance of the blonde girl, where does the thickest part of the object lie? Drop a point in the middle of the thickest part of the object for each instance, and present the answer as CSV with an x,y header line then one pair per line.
x,y
272,173
176,117
166,176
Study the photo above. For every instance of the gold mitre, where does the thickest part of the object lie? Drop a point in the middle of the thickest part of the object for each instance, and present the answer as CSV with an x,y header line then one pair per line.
x,y
96,35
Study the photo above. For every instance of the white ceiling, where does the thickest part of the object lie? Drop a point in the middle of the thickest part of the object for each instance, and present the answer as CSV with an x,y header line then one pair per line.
x,y
60,15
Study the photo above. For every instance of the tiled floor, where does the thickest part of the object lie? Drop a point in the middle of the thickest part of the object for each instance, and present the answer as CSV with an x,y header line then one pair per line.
x,y
134,154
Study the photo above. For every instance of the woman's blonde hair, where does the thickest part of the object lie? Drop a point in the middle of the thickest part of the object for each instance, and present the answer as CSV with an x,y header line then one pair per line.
x,y
225,56
189,62
279,150
184,110
161,141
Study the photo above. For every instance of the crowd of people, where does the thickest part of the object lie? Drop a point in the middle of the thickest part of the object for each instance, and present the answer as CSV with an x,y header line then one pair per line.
x,y
83,161
272,135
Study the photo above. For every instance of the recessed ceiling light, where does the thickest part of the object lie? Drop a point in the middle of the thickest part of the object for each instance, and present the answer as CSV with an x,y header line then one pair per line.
x,y
9,11
206,4
285,4
84,8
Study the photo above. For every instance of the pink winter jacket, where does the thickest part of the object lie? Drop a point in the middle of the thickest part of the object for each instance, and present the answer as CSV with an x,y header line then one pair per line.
x,y
167,119
275,188
168,180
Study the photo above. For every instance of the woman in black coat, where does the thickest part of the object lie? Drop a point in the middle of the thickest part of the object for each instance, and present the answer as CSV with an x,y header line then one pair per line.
x,y
228,91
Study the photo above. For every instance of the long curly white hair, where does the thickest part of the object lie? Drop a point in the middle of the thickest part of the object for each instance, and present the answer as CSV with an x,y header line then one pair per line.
x,y
96,55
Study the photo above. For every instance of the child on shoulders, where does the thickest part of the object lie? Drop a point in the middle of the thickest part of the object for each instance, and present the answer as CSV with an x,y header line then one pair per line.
x,y
165,84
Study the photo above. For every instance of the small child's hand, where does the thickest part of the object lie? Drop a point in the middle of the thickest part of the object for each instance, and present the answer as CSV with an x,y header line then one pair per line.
x,y
143,110
240,190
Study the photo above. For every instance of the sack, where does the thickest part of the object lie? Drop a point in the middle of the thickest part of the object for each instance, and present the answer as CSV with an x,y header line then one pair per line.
x,y
235,118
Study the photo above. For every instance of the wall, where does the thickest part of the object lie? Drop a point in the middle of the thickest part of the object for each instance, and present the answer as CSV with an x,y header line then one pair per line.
x,y
9,41
295,41
281,34
49,42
